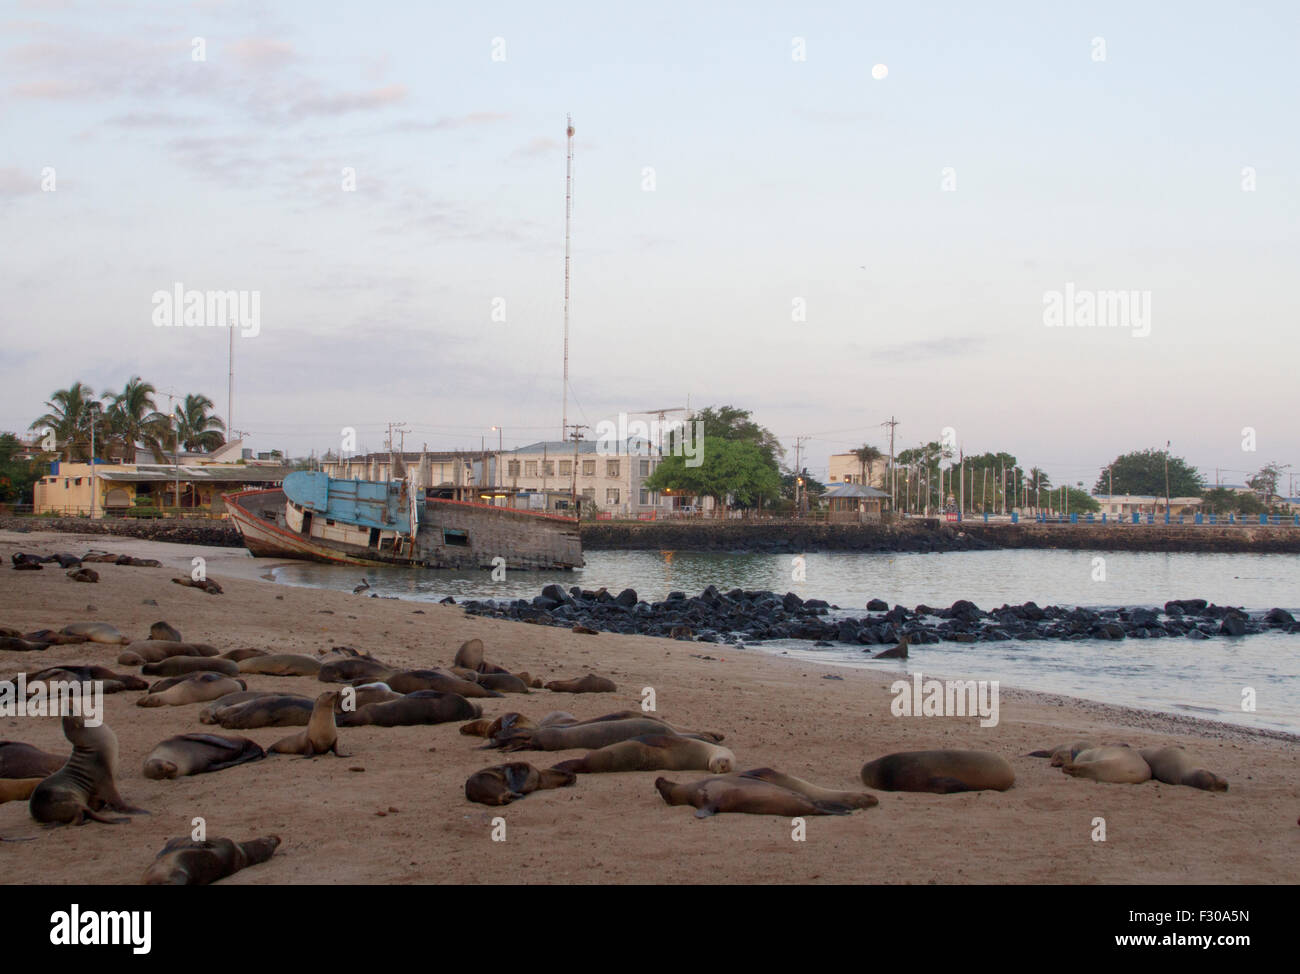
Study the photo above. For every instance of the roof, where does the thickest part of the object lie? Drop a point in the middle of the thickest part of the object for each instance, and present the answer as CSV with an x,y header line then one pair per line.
x,y
854,491
164,473
632,446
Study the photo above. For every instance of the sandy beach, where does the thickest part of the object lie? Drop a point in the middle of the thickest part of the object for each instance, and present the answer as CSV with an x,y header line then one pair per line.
x,y
405,819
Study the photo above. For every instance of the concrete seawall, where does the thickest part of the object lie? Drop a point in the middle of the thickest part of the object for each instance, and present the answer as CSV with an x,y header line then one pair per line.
x,y
783,537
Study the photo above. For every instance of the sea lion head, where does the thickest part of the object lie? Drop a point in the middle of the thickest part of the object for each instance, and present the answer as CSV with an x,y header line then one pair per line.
x,y
719,764
1205,780
159,769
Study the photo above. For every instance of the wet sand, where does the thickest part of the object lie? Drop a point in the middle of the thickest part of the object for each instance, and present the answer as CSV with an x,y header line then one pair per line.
x,y
337,827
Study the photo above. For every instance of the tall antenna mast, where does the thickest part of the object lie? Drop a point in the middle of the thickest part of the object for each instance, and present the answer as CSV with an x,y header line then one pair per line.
x,y
568,216
230,385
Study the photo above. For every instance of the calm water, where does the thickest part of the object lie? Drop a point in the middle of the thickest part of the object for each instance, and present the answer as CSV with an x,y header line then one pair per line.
x,y
1201,678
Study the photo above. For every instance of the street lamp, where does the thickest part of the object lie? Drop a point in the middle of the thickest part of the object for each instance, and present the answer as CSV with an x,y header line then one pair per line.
x,y
94,407
498,476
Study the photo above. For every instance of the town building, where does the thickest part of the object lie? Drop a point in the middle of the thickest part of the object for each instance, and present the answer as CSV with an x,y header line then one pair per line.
x,y
846,468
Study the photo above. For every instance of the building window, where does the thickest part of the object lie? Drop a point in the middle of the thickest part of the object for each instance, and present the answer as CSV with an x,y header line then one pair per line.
x,y
512,468
645,468
645,497
611,495
566,468
589,468
530,468
611,468
548,468
589,493
77,481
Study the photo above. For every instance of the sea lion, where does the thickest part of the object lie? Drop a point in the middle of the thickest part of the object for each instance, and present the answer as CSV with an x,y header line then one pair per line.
x,y
50,637
196,688
591,735
503,682
591,683
470,654
19,760
421,707
166,632
86,784
653,752
940,772
180,665
1174,766
96,632
248,652
408,681
1116,765
477,728
367,693
321,735
749,795
854,799
88,673
185,862
276,710
280,664
503,783
199,753
157,650
208,585
1062,752
17,789
16,644
354,668
137,562
895,652
231,699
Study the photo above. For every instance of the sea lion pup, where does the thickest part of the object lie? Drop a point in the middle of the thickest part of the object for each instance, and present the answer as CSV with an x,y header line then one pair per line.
x,y
1116,765
199,753
740,793
321,735
280,664
19,760
354,668
940,772
88,673
470,654
653,752
16,644
504,682
195,688
165,631
477,728
1174,766
184,862
157,650
96,632
503,783
248,652
17,789
86,784
421,707
1062,753
408,681
208,585
274,710
591,683
180,665
592,736
88,575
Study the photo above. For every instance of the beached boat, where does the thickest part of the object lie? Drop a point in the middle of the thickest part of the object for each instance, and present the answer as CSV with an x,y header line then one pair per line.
x,y
359,522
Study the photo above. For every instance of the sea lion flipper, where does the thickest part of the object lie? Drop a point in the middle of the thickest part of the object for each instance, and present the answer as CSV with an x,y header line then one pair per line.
x,y
1039,754
946,786
706,811
87,814
833,808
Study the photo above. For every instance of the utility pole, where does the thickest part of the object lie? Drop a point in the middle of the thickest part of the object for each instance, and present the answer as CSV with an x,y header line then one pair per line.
x,y
573,491
1167,444
798,471
230,382
893,481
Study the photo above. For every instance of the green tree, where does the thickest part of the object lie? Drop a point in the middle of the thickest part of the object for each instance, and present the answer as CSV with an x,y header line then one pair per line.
x,y
868,456
729,468
1143,472
1265,482
16,474
133,418
69,415
196,430
1037,484
1222,500
732,423
1072,500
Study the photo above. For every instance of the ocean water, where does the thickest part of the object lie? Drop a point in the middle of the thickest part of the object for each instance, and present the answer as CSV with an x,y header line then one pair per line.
x,y
1203,678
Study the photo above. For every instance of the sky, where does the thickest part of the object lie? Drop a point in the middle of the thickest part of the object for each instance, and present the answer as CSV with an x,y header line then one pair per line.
x,y
758,219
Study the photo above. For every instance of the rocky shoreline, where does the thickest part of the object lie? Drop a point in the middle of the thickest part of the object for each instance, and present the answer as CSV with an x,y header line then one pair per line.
x,y
743,616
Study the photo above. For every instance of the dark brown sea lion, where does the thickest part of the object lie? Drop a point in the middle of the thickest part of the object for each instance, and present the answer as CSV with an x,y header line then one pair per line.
x,y
277,710
591,735
86,784
86,673
198,754
248,652
185,862
745,794
321,735
421,707
195,688
364,694
165,631
854,799
180,665
50,637
19,760
503,682
503,783
940,772
895,652
1174,766
354,668
96,632
280,664
157,650
238,697
15,644
208,585
654,752
408,681
88,575
591,683
17,789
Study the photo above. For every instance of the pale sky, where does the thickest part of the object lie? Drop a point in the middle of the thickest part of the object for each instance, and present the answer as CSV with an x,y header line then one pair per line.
x,y
776,180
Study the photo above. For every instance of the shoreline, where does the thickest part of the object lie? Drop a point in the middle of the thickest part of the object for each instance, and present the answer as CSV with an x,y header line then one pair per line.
x,y
337,825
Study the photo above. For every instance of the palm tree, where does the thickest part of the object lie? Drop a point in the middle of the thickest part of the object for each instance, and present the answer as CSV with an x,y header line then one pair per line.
x,y
1038,480
867,458
70,415
134,418
196,430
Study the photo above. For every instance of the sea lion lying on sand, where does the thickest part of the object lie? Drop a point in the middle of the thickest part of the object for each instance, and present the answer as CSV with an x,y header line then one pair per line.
x,y
321,735
50,637
16,644
208,585
272,710
351,668
96,632
19,760
195,688
17,789
1174,766
157,650
181,665
654,752
591,683
248,652
503,783
939,772
1062,753
1116,765
408,681
165,631
86,784
185,862
88,673
421,707
761,791
591,735
198,754
280,664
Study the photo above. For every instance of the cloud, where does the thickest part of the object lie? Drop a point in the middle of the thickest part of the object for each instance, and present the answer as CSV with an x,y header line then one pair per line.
x,y
17,182
354,102
539,146
50,89
262,52
157,120
931,349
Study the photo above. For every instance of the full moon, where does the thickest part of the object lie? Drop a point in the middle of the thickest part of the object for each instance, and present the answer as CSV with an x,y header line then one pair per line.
x,y
880,72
